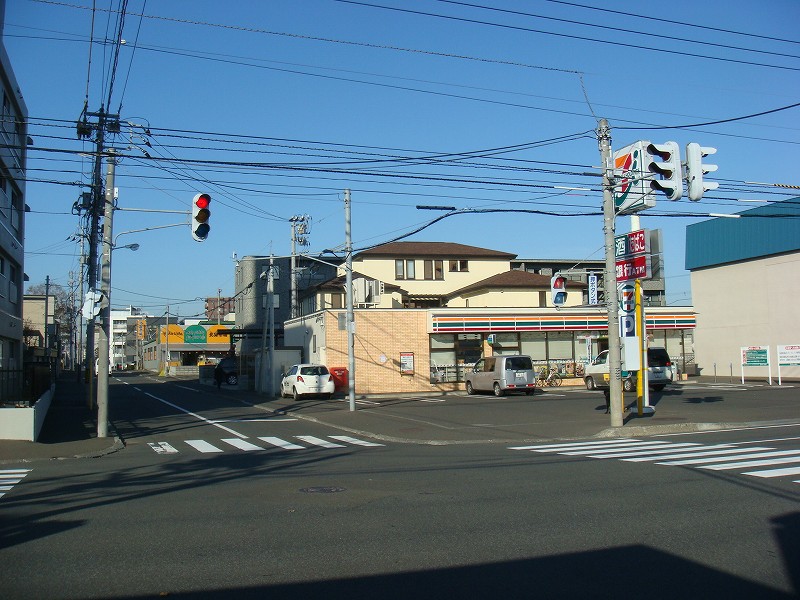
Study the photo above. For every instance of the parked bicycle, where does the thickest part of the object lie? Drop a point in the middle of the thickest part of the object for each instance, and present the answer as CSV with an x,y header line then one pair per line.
x,y
548,377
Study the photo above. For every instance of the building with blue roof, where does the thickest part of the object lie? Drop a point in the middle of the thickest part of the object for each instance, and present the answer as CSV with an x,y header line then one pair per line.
x,y
745,277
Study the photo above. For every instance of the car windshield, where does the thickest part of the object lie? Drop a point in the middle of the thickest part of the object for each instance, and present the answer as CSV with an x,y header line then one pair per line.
x,y
314,370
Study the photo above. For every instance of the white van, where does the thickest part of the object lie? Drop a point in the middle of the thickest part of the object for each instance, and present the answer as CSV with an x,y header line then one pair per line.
x,y
500,374
659,371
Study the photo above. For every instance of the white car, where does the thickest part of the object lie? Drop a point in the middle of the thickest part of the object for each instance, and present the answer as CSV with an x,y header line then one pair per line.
x,y
307,380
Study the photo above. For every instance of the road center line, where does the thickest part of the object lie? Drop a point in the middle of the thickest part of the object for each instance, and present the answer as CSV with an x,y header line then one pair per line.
x,y
196,416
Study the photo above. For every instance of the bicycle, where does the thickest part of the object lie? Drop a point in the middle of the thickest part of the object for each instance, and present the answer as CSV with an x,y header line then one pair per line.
x,y
548,377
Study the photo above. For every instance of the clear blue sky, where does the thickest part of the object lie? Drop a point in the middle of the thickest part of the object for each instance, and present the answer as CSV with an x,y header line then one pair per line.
x,y
292,101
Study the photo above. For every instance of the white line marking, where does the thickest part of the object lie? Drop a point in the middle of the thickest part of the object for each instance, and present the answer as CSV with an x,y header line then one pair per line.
x,y
609,450
196,416
731,429
356,441
162,448
23,472
241,444
654,452
183,387
203,446
775,472
703,451
553,447
747,454
6,488
751,463
310,439
268,420
282,443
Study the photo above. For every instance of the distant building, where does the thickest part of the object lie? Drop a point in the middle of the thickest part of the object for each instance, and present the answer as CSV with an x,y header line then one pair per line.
x,y
745,275
220,309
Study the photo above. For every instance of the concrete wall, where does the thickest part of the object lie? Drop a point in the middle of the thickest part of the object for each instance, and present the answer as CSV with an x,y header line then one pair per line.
x,y
25,423
751,303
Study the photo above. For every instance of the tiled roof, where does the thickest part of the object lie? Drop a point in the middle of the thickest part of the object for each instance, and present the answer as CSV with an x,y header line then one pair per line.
x,y
433,249
513,279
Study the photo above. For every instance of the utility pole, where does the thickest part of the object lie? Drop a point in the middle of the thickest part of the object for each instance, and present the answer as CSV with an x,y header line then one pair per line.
x,y
105,122
106,330
610,277
299,227
351,357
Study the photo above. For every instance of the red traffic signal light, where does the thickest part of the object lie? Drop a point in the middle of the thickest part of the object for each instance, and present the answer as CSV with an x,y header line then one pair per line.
x,y
558,289
201,213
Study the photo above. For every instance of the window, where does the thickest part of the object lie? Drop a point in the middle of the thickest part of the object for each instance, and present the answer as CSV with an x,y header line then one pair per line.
x,y
336,300
459,265
276,301
404,269
434,269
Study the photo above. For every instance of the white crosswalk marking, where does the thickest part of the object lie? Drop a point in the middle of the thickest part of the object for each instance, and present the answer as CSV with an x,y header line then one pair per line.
x,y
310,439
715,457
356,441
220,446
241,444
9,478
203,446
775,472
275,441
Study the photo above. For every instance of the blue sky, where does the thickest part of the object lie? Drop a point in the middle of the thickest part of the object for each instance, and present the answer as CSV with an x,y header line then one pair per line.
x,y
274,108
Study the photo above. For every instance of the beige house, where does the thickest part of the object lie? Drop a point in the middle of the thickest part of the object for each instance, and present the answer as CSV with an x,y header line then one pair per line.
x,y
426,311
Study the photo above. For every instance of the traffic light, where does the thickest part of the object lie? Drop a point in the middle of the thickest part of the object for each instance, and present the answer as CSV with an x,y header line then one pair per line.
x,y
665,160
558,289
200,216
696,170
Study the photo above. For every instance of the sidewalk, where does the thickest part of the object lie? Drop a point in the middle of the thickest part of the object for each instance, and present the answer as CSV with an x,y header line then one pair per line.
x,y
69,430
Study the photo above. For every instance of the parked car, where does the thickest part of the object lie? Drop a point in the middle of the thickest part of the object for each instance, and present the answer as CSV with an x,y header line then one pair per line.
x,y
307,380
228,370
659,371
500,374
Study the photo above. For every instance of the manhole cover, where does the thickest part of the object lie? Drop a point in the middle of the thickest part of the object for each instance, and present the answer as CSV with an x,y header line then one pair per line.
x,y
322,489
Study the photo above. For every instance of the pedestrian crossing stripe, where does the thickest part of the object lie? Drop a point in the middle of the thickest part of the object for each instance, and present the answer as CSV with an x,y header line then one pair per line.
x,y
205,447
9,478
713,457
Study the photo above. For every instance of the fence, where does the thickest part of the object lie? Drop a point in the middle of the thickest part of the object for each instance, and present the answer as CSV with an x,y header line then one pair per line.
x,y
23,387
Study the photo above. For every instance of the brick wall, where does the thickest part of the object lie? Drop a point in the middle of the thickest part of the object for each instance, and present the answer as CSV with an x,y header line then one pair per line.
x,y
378,344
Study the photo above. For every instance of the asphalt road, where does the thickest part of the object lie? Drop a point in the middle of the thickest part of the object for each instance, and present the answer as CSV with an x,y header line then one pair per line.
x,y
318,511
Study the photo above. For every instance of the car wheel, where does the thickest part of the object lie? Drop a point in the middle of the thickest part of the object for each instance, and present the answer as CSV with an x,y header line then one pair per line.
x,y
628,385
470,389
295,395
497,391
232,379
658,387
590,384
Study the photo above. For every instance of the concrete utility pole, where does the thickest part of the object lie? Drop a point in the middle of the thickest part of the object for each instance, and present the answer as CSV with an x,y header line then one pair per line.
x,y
106,330
299,229
611,294
351,325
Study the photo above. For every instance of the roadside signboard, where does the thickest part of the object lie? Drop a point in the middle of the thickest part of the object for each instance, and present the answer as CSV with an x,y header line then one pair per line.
x,y
632,192
636,267
756,356
632,244
592,288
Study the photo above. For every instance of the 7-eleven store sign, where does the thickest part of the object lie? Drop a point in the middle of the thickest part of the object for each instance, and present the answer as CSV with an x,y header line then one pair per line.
x,y
632,191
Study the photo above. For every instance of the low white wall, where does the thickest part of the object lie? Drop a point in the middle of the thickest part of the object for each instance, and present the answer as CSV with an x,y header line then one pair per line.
x,y
25,423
